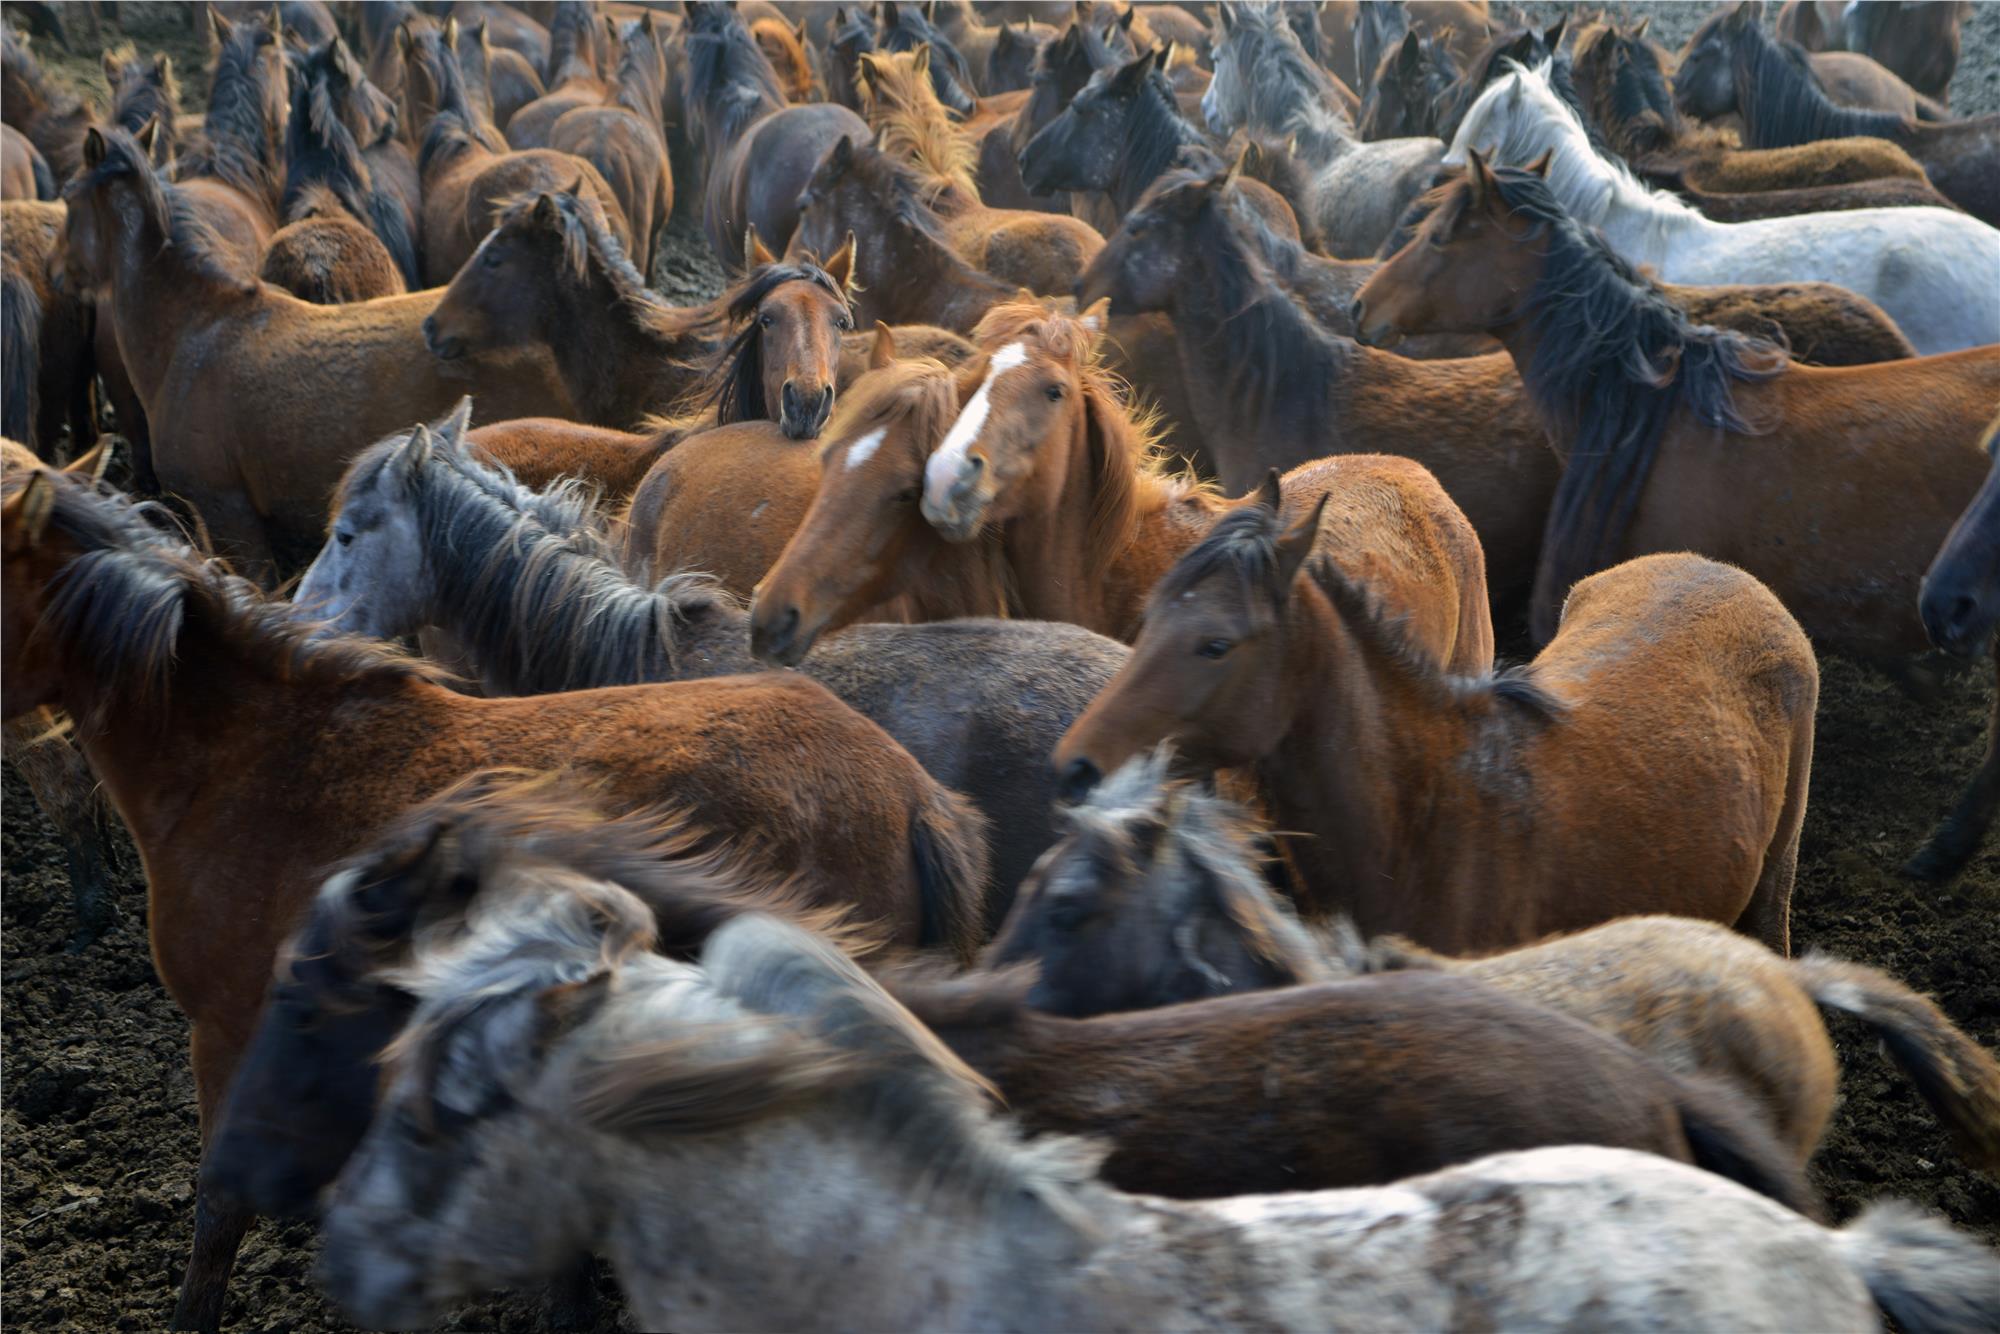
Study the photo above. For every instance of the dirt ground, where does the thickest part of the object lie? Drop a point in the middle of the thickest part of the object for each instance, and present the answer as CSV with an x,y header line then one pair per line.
x,y
98,1116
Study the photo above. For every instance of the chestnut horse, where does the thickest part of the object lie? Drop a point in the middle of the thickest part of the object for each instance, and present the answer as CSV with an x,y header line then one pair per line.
x,y
246,755
256,399
1474,812
1046,454
758,151
1833,486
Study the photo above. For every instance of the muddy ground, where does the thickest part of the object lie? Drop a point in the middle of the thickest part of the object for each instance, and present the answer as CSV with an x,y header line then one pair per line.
x,y
99,1125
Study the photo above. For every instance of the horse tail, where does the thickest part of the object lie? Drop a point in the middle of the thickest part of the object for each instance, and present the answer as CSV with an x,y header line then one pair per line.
x,y
948,847
20,356
1955,1075
46,185
1726,1137
391,225
1929,1278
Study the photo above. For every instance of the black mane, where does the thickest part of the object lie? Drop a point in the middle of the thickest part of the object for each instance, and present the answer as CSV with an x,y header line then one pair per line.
x,y
321,151
239,133
1782,102
730,82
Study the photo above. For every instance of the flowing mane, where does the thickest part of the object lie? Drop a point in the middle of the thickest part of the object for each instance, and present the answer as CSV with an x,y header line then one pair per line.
x,y
1288,94
730,81
239,132
116,614
738,371
1783,103
1243,546
1614,359
911,125
321,155
538,595
1631,102
180,226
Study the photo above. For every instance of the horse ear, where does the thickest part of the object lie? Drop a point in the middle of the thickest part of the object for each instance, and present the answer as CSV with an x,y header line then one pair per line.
x,y
404,42
841,156
930,11
218,28
546,213
344,61
31,509
1094,317
1133,74
163,67
93,464
840,266
798,30
1296,543
1639,29
921,58
1125,19
451,33
275,21
455,426
1552,35
147,135
1478,177
883,352
110,68
646,23
1271,491
418,452
1540,166
94,147
755,253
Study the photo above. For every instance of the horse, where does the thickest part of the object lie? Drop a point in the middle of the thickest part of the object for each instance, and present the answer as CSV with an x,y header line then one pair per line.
x,y
1001,56
1265,82
526,587
1782,103
572,77
1925,267
1407,96
1116,137
540,451
52,118
785,47
324,153
1847,79
465,176
1629,101
323,254
1305,673
1803,476
24,172
242,132
1957,601
758,151
175,669
254,398
499,79
625,141
1045,455
46,333
143,90
552,275
788,1064
1156,896
904,27
1919,43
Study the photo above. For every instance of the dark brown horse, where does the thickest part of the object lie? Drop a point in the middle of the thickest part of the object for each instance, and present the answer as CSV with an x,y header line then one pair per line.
x,y
242,132
759,152
256,399
324,254
1917,42
574,76
178,675
1471,812
334,112
1834,486
500,79
52,118
624,140
45,335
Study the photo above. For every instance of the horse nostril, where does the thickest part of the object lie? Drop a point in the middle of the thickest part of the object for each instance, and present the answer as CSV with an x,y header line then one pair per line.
x,y
1078,777
1961,610
1358,312
430,329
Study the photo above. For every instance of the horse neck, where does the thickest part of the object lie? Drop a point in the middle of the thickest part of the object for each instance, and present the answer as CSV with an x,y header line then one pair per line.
x,y
158,293
1157,131
611,360
925,281
1641,225
1365,753
1321,138
730,1265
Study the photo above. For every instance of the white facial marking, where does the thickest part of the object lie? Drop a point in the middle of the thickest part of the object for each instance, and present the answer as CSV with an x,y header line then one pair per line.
x,y
949,461
864,449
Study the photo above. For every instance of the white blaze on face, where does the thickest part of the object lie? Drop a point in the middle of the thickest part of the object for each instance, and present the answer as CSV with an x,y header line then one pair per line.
x,y
949,461
864,449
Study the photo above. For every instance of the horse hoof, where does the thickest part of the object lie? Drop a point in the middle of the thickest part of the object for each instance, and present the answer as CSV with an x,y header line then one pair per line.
x,y
1936,862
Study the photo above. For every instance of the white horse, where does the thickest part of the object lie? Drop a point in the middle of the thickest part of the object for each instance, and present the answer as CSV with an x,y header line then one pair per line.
x,y
1265,80
769,1141
1934,270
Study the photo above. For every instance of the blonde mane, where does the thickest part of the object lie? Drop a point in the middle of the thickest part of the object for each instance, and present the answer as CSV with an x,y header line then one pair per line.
x,y
911,125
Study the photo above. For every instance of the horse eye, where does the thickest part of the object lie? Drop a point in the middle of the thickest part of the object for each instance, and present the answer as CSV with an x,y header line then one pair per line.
x,y
1215,648
492,260
345,539
908,495
765,321
1055,393
1068,914
843,324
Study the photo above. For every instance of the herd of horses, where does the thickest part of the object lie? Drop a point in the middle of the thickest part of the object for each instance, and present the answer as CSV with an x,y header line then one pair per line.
x,y
1132,423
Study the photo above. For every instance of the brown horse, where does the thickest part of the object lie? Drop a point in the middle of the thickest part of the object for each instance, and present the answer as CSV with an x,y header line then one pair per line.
x,y
757,150
45,334
242,132
52,118
24,173
1472,812
323,254
1156,896
574,76
543,450
552,275
784,46
256,399
1833,486
625,141
1047,456
1917,42
143,90
211,713
466,177
1623,80
499,79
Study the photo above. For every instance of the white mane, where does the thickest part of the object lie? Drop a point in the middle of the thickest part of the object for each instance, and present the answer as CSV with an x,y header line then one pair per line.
x,y
1519,117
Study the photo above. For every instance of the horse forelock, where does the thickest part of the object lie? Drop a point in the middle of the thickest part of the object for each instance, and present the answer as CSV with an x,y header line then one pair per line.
x,y
738,394
912,124
917,394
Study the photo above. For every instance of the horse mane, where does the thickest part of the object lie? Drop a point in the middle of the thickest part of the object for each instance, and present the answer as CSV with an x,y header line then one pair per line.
x,y
572,42
319,148
730,81
180,225
1633,106
841,1040
1129,466
1289,93
1142,800
457,126
1156,131
238,133
1614,358
911,124
20,65
903,193
588,244
116,613
638,81
739,367
151,93
1783,103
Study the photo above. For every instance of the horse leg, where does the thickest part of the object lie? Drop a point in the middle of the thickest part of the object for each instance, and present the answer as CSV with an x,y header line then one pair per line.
x,y
66,790
1768,915
1954,841
218,1227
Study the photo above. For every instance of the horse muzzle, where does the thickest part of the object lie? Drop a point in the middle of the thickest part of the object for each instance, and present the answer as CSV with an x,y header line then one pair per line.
x,y
442,346
802,414
1956,622
956,506
1381,333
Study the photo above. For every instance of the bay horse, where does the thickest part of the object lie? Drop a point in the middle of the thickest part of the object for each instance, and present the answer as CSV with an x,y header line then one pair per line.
x,y
24,172
785,47
573,76
1925,267
325,255
1264,82
242,132
789,1060
46,331
540,451
624,140
1271,388
1407,96
758,151
1298,672
1047,455
178,674
254,398
1156,895
465,175
499,79
1849,77
52,117
143,90
525,586
1782,102
1833,486
1628,98
1917,42
323,151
